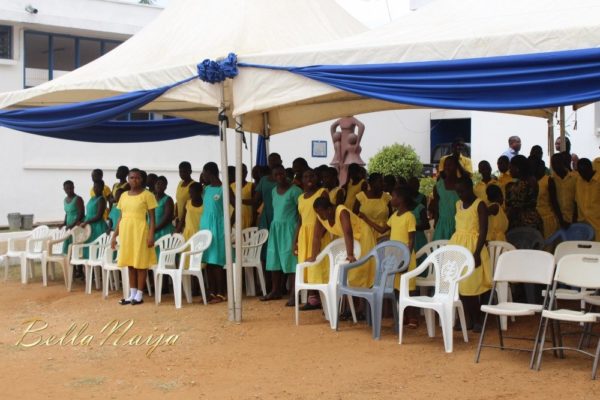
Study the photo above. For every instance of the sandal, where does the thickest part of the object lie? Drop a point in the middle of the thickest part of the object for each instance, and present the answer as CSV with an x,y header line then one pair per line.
x,y
413,323
217,299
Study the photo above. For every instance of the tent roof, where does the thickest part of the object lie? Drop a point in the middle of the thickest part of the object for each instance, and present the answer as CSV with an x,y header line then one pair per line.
x,y
443,30
185,33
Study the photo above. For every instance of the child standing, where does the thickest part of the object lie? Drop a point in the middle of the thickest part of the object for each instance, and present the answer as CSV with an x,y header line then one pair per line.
x,y
332,185
137,236
74,211
190,221
115,213
373,204
94,217
485,169
247,202
164,209
280,248
497,220
444,201
471,232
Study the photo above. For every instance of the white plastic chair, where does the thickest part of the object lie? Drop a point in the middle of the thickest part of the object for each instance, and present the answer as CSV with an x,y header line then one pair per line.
x,y
167,242
522,266
425,283
53,253
110,267
579,270
451,265
336,253
93,266
253,240
34,251
15,247
79,236
502,289
181,275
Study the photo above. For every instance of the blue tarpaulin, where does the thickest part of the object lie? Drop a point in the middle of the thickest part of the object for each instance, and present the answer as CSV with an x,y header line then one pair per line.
x,y
261,151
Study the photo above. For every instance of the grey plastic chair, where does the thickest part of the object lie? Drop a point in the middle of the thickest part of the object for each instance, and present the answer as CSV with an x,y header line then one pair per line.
x,y
391,257
576,231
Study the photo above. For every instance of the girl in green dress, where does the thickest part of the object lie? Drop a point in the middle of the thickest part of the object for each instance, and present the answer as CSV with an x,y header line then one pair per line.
x,y
444,201
280,248
164,211
213,221
74,211
94,211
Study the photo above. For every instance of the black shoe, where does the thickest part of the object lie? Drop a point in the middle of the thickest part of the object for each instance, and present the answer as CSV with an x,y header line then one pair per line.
x,y
310,307
134,302
124,302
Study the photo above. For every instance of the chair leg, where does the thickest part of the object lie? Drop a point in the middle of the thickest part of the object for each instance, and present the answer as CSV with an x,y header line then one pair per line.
x,y
186,282
176,292
462,319
538,363
352,309
500,336
595,365
447,329
148,283
44,267
88,279
296,306
23,270
375,307
6,264
97,277
536,344
202,287
250,286
261,278
400,324
105,283
481,337
429,321
69,277
125,282
158,279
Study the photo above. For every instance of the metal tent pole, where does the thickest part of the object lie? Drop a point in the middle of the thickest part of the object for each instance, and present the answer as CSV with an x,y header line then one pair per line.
x,y
227,218
266,133
563,142
237,272
550,135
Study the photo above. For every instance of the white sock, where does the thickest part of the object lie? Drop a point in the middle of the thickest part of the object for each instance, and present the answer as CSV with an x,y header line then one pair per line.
x,y
132,293
139,295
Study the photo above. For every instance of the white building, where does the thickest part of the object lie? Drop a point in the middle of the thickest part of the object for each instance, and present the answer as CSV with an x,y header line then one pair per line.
x,y
64,34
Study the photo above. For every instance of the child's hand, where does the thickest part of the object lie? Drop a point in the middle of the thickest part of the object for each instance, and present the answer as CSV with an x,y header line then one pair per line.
x,y
113,243
351,259
150,242
477,258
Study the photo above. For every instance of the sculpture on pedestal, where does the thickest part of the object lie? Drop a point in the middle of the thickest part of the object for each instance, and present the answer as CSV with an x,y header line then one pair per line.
x,y
346,145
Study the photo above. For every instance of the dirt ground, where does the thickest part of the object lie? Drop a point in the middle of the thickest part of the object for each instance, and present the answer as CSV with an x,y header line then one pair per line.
x,y
265,357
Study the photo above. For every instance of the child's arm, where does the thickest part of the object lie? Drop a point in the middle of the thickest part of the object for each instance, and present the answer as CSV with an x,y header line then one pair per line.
x,y
80,211
356,207
380,229
424,221
494,209
150,239
181,223
411,241
298,225
555,204
348,235
316,244
483,229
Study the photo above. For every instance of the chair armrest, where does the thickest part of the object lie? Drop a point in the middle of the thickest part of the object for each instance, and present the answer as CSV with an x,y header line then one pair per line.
x,y
17,244
418,270
345,268
187,254
32,242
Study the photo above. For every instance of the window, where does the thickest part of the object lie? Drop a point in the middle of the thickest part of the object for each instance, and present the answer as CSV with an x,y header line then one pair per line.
x,y
5,42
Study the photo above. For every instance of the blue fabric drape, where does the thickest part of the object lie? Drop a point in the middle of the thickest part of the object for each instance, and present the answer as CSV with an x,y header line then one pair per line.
x,y
261,151
136,131
493,83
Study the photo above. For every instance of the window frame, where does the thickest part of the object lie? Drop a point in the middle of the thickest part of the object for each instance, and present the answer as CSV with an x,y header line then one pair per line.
x,y
11,43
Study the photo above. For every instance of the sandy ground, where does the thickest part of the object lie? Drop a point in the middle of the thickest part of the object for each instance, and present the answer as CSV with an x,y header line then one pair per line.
x,y
266,357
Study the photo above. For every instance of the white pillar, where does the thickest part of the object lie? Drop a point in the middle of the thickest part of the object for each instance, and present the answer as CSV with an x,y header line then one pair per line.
x,y
266,134
237,279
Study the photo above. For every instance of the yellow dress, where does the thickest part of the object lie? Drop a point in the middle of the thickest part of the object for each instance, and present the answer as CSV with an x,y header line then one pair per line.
x,y
106,192
565,193
117,186
246,209
182,195
133,231
400,228
377,210
351,192
465,162
497,225
333,195
481,187
362,276
466,235
544,208
318,273
588,202
192,219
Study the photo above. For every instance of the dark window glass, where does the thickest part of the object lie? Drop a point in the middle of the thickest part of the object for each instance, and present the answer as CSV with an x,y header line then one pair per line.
x,y
5,41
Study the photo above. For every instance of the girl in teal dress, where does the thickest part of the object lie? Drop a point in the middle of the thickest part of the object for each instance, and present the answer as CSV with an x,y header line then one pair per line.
x,y
213,220
115,213
94,217
280,248
164,212
74,211
444,201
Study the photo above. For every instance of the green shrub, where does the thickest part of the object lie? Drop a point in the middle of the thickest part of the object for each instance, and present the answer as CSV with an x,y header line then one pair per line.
x,y
397,160
427,185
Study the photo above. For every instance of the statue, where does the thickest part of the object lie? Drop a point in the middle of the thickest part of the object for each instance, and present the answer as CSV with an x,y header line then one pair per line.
x,y
346,145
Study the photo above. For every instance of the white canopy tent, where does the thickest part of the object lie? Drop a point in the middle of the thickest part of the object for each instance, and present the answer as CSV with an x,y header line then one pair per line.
x,y
442,30
169,49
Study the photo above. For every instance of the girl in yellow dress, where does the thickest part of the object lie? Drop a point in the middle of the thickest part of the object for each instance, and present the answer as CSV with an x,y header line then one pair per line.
x,y
340,222
354,186
247,201
544,202
122,184
182,195
331,183
588,195
305,234
471,232
137,236
562,190
485,169
497,220
373,205
190,220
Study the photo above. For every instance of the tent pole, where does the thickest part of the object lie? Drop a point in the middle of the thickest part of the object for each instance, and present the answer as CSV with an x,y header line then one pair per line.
x,y
563,142
251,156
266,133
227,217
237,276
550,136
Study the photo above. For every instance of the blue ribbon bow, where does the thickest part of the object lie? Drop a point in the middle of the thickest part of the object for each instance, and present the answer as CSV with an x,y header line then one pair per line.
x,y
217,71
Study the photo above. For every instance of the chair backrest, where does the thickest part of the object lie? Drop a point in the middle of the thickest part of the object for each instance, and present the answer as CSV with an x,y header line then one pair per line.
x,y
389,256
169,242
581,270
525,238
200,241
56,235
426,251
253,241
451,263
576,247
80,235
526,266
98,247
40,232
336,253
496,249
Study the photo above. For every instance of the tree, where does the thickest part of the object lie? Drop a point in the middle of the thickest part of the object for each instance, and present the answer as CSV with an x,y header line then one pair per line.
x,y
397,160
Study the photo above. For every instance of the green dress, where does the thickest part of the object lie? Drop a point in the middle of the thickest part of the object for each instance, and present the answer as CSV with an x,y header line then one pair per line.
x,y
114,216
98,227
280,248
159,212
213,220
420,238
71,212
265,188
446,224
